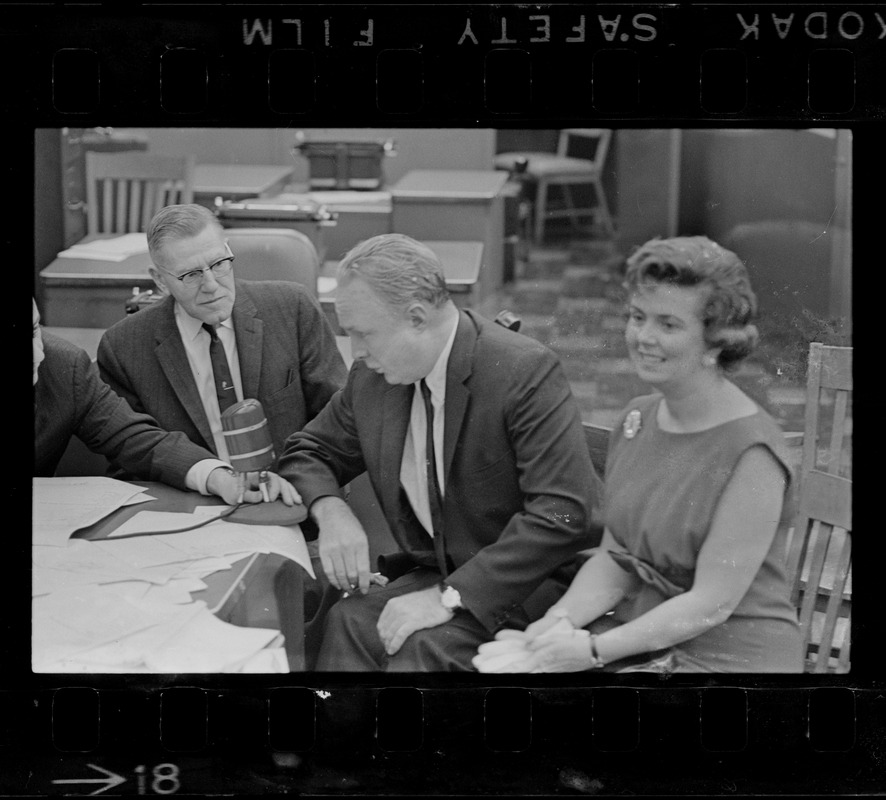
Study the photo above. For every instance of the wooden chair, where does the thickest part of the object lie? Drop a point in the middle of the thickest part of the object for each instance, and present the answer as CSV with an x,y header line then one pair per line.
x,y
820,548
125,190
274,254
580,157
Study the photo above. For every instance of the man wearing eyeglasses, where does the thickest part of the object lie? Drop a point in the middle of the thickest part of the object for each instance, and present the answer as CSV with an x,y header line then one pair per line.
x,y
215,340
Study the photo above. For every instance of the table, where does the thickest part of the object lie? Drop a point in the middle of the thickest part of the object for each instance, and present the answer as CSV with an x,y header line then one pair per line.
x,y
237,181
455,205
225,590
245,594
91,293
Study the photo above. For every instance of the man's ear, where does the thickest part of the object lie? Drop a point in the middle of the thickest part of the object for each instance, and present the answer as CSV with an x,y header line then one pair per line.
x,y
158,280
417,314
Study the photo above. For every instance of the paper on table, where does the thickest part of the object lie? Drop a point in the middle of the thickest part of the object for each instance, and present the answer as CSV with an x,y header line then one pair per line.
x,y
58,648
144,551
118,248
206,644
143,497
149,521
67,622
215,538
61,506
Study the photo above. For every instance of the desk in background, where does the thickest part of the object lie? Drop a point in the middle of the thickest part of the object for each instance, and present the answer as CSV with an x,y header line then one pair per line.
x,y
455,205
91,293
238,181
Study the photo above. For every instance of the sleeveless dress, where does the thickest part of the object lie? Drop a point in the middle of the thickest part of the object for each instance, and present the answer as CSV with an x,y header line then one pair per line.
x,y
660,496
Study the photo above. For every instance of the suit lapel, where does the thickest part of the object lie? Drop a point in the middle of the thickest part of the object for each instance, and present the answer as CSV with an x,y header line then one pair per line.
x,y
396,406
174,362
458,370
248,329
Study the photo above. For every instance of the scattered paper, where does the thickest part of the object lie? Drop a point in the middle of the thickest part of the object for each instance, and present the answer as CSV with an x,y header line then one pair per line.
x,y
127,604
61,506
118,248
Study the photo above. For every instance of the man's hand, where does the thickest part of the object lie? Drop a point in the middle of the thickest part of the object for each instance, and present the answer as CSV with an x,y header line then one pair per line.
x,y
227,486
404,615
342,543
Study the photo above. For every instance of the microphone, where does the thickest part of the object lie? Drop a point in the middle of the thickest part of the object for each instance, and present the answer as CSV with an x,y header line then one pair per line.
x,y
250,448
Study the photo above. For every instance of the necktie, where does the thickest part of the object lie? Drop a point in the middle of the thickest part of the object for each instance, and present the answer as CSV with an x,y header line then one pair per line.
x,y
224,383
435,498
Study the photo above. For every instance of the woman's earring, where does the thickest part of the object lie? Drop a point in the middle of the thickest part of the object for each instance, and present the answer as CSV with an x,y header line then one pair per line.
x,y
709,360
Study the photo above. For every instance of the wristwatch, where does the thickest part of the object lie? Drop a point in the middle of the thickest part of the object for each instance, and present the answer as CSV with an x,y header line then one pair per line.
x,y
450,598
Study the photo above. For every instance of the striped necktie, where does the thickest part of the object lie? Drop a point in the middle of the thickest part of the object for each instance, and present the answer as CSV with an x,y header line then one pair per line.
x,y
224,382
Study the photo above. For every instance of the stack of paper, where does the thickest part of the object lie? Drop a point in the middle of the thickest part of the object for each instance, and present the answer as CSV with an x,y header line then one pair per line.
x,y
118,248
126,605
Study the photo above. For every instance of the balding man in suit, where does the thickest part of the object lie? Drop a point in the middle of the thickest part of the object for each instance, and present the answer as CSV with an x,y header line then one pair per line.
x,y
473,442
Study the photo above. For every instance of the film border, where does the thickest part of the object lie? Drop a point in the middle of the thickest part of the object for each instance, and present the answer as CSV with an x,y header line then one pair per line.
x,y
778,55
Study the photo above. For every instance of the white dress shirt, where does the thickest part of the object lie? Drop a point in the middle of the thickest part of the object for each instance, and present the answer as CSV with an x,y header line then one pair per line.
x,y
413,468
196,342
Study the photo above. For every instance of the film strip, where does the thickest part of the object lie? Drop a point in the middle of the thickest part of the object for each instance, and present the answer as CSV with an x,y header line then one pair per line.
x,y
630,66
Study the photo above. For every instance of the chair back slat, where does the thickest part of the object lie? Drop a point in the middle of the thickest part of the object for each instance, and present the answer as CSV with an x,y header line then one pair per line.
x,y
107,205
122,191
810,581
838,431
836,367
819,558
828,498
843,659
133,219
832,611
125,190
150,206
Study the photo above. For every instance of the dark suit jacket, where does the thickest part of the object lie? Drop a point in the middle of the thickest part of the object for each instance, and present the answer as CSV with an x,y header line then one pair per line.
x,y
289,361
519,484
70,399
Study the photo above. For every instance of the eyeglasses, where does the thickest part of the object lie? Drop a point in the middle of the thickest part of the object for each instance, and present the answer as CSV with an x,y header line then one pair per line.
x,y
195,276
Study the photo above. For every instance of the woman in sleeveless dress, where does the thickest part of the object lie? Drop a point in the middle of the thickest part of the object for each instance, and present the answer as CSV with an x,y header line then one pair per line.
x,y
690,575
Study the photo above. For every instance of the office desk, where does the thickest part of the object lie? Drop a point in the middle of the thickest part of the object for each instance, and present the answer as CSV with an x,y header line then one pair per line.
x,y
455,205
91,293
238,181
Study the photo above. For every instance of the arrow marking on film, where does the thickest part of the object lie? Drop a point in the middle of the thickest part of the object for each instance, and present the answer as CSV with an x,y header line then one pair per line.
x,y
112,779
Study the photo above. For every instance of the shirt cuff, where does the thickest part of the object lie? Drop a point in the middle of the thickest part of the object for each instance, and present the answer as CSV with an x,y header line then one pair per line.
x,y
197,475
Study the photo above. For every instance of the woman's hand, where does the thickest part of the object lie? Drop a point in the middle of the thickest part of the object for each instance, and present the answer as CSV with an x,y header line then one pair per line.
x,y
560,650
553,617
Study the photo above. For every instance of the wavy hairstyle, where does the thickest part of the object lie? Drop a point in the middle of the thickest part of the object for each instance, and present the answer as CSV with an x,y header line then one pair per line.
x,y
730,304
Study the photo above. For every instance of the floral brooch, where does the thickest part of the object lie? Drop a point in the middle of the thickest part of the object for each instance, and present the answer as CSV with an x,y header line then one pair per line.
x,y
631,424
